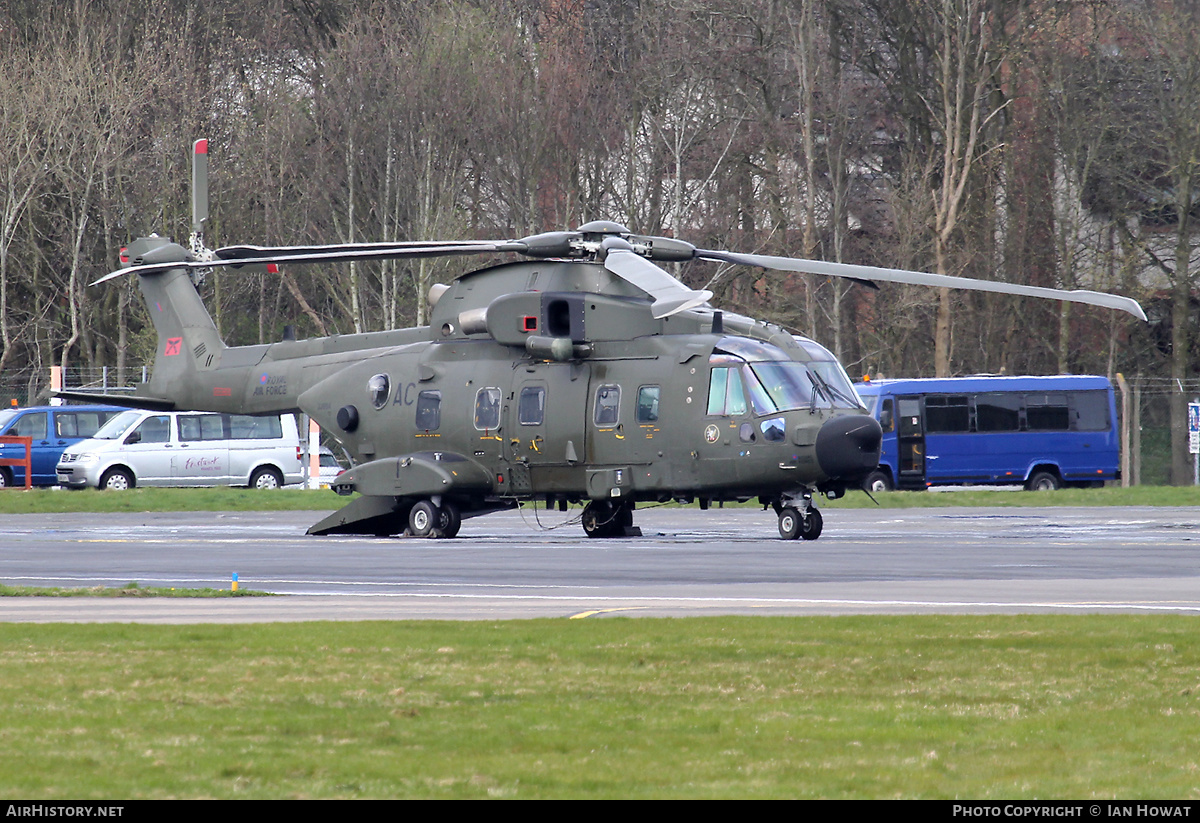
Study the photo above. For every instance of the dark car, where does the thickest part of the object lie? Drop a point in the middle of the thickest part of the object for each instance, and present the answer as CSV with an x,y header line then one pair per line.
x,y
53,429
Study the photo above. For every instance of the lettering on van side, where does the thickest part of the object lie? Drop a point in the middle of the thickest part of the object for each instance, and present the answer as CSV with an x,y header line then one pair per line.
x,y
204,464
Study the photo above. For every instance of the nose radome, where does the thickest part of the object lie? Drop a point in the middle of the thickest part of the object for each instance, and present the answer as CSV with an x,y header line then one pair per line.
x,y
848,447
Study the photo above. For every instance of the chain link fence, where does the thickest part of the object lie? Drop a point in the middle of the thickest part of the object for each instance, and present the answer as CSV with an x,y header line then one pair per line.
x,y
31,387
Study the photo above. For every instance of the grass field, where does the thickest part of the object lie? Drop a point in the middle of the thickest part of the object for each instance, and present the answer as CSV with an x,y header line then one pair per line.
x,y
989,707
867,707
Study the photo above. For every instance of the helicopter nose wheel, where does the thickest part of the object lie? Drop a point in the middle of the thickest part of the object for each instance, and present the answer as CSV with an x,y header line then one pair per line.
x,y
793,524
427,519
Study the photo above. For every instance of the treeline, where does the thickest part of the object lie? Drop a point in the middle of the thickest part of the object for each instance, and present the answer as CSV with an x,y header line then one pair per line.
x,y
1037,142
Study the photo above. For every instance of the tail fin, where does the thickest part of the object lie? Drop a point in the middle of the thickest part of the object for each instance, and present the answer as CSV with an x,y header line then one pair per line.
x,y
187,338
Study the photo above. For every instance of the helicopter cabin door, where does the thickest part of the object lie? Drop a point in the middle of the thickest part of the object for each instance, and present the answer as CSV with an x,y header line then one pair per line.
x,y
625,432
910,433
545,436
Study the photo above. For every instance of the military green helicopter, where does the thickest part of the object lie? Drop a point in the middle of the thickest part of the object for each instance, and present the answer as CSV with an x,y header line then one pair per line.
x,y
581,374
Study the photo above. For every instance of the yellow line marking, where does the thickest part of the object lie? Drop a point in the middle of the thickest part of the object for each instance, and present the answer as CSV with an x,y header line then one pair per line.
x,y
595,612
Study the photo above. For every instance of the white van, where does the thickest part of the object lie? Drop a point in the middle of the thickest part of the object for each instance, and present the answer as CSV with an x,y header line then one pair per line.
x,y
146,448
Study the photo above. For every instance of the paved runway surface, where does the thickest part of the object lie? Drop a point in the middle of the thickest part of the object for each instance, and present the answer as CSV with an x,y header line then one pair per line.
x,y
688,562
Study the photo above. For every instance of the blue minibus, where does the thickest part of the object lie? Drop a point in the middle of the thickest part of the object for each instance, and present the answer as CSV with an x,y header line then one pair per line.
x,y
1041,432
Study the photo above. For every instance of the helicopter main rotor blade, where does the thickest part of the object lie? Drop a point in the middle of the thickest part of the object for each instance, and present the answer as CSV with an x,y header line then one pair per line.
x,y
670,296
259,256
855,272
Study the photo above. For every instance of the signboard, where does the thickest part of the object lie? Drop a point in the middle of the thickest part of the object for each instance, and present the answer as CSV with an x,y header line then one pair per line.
x,y
1193,428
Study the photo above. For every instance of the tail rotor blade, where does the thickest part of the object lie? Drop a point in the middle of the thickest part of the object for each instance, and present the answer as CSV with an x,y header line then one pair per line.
x,y
199,185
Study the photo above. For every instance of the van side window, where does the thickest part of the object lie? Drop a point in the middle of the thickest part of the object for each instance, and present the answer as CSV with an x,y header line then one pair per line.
x,y
647,404
79,424
608,406
249,427
196,427
429,410
155,430
487,409
30,425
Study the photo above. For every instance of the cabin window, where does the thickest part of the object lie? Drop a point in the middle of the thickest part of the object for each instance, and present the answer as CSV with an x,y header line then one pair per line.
x,y
647,404
379,387
531,407
487,409
608,406
725,394
429,410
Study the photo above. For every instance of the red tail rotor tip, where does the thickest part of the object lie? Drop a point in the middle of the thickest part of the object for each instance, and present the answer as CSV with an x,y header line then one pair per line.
x,y
200,146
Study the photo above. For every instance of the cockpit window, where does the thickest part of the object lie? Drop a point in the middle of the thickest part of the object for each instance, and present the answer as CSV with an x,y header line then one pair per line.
x,y
774,381
725,395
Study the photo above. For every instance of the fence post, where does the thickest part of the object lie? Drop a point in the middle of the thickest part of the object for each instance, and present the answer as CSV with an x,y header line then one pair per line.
x,y
56,383
1126,427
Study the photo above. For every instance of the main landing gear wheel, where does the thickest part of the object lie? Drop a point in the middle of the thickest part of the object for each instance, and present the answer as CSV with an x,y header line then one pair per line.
x,y
789,523
811,529
604,519
427,520
793,524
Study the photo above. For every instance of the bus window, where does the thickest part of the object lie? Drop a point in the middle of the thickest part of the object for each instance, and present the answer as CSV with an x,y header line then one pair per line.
x,y
886,420
1047,412
1091,411
997,412
947,414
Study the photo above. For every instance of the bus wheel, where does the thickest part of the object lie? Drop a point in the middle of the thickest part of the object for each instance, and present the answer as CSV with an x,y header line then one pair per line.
x,y
1043,482
878,481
